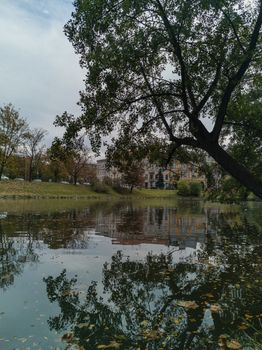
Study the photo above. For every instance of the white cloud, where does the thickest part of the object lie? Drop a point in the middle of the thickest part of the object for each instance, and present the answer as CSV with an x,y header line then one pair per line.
x,y
39,70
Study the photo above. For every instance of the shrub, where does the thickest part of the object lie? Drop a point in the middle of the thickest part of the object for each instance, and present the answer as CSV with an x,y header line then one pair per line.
x,y
99,187
195,188
189,188
183,188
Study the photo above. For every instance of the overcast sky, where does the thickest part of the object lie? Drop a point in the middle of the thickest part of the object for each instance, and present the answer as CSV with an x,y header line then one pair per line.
x,y
39,71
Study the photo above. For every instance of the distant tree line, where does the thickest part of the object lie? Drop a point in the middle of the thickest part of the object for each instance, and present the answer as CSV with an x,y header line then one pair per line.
x,y
23,154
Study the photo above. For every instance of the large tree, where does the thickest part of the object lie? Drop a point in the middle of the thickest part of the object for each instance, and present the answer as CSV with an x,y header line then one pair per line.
x,y
71,149
75,158
33,149
13,130
165,72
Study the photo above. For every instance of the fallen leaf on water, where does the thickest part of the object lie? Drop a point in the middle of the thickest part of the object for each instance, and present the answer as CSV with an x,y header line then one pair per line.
x,y
151,335
67,336
233,344
243,326
248,316
112,345
222,342
209,295
83,325
188,304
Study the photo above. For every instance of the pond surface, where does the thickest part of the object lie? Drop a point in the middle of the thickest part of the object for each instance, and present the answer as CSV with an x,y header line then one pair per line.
x,y
130,275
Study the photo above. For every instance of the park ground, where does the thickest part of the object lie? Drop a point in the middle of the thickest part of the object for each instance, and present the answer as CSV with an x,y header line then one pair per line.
x,y
15,189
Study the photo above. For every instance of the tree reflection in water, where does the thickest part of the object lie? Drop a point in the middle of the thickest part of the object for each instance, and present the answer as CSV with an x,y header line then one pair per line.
x,y
14,253
203,302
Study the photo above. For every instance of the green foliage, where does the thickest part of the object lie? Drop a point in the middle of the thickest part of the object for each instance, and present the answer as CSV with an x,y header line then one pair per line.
x,y
189,188
74,155
245,127
195,188
232,191
183,188
13,131
132,174
156,70
100,187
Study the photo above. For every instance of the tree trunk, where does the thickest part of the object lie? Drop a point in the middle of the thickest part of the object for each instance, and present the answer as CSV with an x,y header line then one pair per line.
x,y
30,170
2,166
238,171
74,179
1,171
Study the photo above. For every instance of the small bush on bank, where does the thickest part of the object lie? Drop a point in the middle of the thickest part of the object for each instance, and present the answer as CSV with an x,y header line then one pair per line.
x,y
100,187
183,188
189,188
195,188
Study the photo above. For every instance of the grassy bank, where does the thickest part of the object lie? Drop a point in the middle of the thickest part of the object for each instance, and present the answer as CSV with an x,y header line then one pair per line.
x,y
16,189
26,189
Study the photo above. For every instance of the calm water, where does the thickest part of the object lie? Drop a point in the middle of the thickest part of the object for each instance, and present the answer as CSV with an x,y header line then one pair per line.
x,y
130,275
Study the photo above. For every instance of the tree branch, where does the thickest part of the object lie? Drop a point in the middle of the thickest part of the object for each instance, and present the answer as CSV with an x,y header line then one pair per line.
x,y
158,106
185,141
214,82
186,87
235,32
148,96
234,81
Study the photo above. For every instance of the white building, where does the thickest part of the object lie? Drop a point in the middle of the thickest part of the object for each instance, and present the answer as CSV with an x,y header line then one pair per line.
x,y
170,175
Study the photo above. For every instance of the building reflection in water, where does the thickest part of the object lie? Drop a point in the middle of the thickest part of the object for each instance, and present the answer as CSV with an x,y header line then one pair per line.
x,y
154,225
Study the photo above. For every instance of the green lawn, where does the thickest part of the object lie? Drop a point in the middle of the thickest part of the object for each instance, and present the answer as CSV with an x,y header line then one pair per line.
x,y
154,193
43,189
26,189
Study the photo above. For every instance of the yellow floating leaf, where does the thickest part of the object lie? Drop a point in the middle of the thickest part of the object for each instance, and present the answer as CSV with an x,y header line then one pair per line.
x,y
248,316
243,326
222,342
112,345
209,295
188,304
151,335
233,344
83,325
